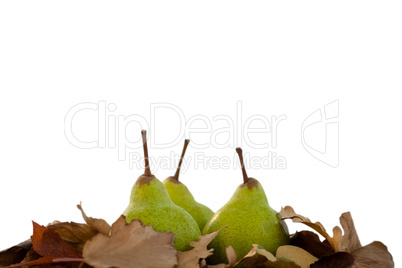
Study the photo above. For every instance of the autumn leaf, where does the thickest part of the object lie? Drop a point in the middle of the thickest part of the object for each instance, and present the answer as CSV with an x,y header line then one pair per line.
x,y
350,240
232,258
350,253
254,261
336,260
49,244
260,257
99,224
373,255
280,264
49,260
263,252
75,234
15,254
335,240
31,256
46,246
59,245
256,257
50,248
131,245
191,258
220,265
310,242
230,255
297,255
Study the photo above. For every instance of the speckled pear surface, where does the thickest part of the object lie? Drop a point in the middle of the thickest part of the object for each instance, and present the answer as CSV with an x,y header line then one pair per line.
x,y
152,205
249,220
182,197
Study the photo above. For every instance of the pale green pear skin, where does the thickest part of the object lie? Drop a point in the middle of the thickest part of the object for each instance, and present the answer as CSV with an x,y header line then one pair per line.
x,y
150,203
182,197
249,220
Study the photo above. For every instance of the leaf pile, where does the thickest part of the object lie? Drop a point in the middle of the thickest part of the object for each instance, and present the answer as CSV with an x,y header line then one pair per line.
x,y
338,250
97,244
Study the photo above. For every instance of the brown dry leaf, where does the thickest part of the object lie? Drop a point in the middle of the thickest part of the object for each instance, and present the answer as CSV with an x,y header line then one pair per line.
x,y
131,245
15,254
231,256
262,251
53,249
336,260
221,265
252,253
335,241
50,260
34,259
31,256
191,258
49,244
310,242
281,264
297,255
99,224
373,255
350,240
76,234
253,261
260,257
246,260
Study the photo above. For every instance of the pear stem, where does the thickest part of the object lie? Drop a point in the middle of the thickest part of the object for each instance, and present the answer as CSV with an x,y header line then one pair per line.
x,y
176,175
147,171
243,168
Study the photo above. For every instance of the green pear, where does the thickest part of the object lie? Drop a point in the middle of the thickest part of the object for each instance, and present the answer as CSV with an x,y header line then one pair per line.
x,y
150,203
249,220
182,197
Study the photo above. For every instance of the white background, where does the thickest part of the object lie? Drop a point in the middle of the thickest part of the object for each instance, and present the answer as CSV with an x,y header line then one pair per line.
x,y
203,57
